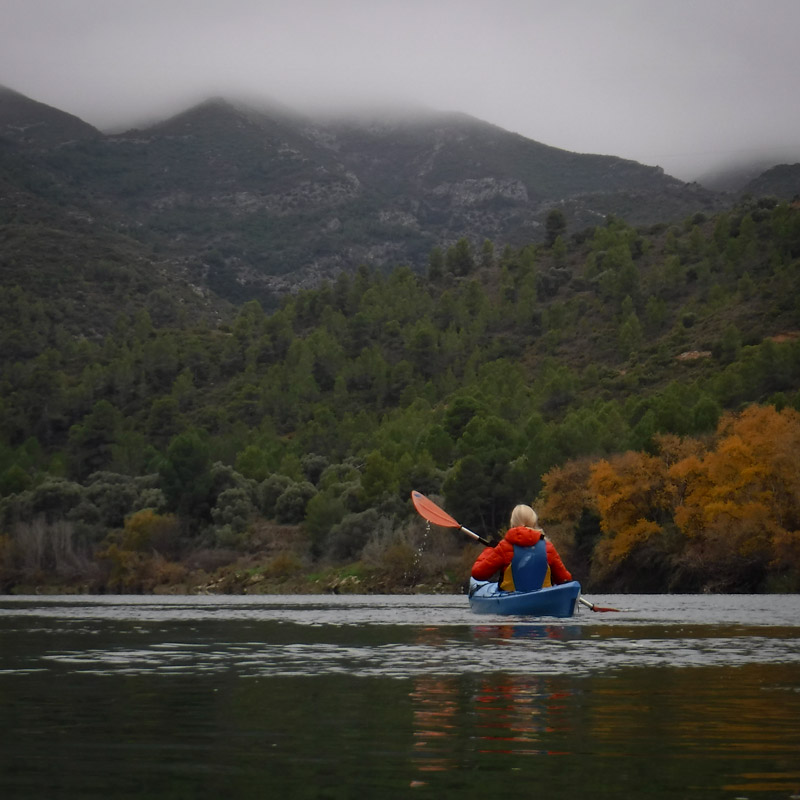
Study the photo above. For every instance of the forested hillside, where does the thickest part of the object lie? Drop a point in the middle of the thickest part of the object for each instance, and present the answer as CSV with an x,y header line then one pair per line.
x,y
277,451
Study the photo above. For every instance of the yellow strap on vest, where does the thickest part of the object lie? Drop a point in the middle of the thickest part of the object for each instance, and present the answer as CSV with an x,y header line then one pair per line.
x,y
507,582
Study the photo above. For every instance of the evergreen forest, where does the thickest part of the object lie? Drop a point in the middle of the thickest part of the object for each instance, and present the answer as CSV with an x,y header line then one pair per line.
x,y
639,386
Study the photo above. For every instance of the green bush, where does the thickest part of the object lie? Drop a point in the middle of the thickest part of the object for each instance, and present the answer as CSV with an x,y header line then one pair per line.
x,y
291,506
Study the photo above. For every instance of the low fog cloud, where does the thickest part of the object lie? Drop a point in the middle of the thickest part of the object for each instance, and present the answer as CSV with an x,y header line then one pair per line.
x,y
684,85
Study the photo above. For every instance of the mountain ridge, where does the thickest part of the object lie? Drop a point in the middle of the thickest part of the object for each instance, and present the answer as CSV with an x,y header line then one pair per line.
x,y
28,121
253,201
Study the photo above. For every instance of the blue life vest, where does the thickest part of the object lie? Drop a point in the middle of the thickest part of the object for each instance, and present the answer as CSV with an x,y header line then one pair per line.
x,y
529,566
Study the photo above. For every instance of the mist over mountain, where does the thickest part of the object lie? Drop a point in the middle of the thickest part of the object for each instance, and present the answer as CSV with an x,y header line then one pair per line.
x,y
251,199
737,175
782,180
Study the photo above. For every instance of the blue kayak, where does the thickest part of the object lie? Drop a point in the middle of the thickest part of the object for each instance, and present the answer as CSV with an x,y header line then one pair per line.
x,y
550,601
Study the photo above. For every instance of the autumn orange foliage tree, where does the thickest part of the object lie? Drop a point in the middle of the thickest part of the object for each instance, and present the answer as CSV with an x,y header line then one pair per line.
x,y
568,507
721,514
136,557
739,505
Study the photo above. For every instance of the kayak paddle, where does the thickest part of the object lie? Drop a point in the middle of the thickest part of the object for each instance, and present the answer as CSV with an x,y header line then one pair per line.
x,y
428,510
594,607
438,516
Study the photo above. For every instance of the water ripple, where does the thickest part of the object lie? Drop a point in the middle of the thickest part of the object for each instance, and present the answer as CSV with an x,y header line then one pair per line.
x,y
579,657
407,610
387,636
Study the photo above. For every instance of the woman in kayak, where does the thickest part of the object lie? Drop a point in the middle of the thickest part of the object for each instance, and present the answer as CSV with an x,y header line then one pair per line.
x,y
516,546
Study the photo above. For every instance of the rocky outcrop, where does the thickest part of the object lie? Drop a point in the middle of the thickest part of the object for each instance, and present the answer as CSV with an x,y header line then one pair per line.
x,y
480,191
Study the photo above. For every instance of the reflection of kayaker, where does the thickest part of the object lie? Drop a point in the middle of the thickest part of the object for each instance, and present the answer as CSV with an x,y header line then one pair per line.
x,y
523,573
500,633
518,543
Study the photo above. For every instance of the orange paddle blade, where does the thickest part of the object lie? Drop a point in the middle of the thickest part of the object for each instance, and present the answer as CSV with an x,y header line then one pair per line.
x,y
594,607
431,512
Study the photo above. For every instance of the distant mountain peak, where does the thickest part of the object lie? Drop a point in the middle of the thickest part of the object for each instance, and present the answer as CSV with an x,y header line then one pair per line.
x,y
30,122
782,180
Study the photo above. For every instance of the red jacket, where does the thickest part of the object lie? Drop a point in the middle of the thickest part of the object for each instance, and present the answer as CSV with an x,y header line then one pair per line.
x,y
495,559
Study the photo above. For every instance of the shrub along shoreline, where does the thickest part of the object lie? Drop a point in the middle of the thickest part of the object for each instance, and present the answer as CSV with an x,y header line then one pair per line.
x,y
279,561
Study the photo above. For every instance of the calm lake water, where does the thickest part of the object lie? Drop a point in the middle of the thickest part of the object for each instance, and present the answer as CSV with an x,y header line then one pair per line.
x,y
414,696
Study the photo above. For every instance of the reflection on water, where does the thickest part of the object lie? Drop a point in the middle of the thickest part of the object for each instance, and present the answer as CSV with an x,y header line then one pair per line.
x,y
345,697
512,712
505,713
637,735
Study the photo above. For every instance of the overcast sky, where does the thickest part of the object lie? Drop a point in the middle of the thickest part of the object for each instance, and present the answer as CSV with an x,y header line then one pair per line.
x,y
683,84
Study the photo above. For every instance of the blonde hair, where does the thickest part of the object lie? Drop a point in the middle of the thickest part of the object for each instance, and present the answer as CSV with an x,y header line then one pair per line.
x,y
523,515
